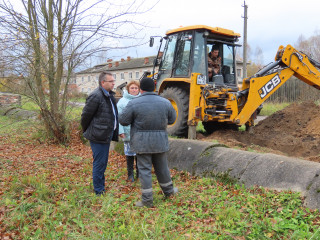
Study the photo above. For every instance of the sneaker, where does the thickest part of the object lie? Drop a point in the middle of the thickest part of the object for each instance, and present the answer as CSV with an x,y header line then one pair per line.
x,y
144,204
175,191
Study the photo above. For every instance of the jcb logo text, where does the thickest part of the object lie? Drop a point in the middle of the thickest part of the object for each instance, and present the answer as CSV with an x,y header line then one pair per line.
x,y
269,86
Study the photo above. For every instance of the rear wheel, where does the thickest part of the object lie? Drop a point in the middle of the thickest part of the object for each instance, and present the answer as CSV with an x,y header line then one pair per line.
x,y
179,99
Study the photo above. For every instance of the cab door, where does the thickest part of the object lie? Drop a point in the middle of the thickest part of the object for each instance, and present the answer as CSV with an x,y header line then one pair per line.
x,y
183,55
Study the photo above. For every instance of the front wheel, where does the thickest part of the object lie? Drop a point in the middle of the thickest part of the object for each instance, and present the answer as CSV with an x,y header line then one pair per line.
x,y
179,99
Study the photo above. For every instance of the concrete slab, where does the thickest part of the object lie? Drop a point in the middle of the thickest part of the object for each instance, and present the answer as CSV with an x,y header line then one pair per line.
x,y
217,160
184,152
266,170
281,173
312,197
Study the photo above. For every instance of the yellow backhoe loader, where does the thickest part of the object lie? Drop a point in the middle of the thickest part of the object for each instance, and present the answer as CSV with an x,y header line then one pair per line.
x,y
183,78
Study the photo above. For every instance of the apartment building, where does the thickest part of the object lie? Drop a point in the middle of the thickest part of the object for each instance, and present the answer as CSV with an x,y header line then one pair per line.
x,y
123,71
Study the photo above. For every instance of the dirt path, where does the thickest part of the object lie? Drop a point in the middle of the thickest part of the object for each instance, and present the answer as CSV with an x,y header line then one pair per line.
x,y
293,131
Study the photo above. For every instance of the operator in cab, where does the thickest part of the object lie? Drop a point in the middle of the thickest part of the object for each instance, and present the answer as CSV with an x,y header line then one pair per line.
x,y
214,60
210,74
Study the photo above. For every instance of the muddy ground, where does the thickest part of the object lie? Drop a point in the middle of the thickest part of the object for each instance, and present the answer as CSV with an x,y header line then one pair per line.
x,y
293,131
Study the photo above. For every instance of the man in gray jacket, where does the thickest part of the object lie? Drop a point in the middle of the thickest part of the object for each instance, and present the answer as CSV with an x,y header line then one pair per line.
x,y
149,115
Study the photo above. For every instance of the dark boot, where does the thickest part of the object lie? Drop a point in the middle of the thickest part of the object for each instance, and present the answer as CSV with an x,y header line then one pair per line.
x,y
144,204
137,170
130,162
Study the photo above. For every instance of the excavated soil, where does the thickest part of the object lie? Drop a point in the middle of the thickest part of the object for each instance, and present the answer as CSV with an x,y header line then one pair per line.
x,y
293,131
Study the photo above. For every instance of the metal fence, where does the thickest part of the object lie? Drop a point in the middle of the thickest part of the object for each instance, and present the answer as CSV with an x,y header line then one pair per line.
x,y
295,90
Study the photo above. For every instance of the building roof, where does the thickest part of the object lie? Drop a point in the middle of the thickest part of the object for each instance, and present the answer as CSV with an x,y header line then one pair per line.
x,y
123,64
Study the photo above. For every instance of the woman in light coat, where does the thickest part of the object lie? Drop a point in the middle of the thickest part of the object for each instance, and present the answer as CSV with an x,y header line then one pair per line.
x,y
132,91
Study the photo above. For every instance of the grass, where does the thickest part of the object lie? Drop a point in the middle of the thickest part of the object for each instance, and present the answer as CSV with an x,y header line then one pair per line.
x,y
16,128
78,99
28,104
72,112
200,127
46,193
270,108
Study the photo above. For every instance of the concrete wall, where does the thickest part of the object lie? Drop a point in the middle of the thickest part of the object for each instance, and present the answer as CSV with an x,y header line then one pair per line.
x,y
267,170
7,99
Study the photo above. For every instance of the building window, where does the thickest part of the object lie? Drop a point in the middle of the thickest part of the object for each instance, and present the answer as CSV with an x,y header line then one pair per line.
x,y
114,76
88,78
137,75
89,90
239,72
82,79
130,75
122,76
97,78
82,90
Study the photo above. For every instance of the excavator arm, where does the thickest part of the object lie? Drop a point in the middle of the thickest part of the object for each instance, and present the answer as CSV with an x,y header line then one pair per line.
x,y
258,88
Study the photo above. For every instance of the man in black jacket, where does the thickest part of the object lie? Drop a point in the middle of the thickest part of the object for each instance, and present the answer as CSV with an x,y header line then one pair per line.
x,y
99,121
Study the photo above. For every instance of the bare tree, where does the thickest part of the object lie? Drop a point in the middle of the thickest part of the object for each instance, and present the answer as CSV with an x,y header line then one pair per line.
x,y
255,60
45,40
310,46
258,56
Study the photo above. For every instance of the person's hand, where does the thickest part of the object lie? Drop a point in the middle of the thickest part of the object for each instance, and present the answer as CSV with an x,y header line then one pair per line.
x,y
122,135
216,70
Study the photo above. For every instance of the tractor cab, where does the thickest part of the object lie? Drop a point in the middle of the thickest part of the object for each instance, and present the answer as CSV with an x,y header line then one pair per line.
x,y
189,50
194,63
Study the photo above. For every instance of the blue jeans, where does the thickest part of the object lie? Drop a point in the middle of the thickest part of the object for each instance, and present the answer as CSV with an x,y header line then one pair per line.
x,y
100,152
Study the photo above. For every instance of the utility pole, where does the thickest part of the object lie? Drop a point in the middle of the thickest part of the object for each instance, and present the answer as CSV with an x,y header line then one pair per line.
x,y
245,40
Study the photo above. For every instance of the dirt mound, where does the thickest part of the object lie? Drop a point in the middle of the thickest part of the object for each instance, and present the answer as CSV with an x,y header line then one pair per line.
x,y
293,131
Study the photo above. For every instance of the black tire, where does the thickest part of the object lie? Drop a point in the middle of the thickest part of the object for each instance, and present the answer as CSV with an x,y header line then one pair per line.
x,y
210,127
179,99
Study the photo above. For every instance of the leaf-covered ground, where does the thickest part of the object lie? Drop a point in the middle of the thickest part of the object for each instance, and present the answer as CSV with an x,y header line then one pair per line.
x,y
46,193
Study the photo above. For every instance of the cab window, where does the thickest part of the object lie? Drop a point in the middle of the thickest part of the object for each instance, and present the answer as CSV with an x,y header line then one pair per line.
x,y
183,55
165,69
199,55
228,70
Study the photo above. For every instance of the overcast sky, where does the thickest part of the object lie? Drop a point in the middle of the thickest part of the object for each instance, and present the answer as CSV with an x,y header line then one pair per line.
x,y
271,23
